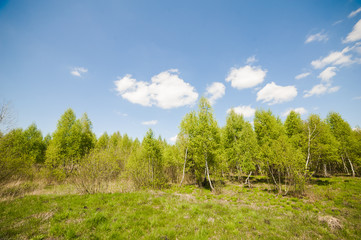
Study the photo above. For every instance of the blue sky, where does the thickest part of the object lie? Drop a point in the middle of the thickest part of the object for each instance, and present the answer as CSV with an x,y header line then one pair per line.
x,y
134,65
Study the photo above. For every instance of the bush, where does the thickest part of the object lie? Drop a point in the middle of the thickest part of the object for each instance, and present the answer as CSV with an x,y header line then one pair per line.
x,y
18,189
95,171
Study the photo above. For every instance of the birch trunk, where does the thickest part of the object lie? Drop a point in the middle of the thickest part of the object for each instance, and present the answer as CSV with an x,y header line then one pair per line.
x,y
344,165
184,166
209,179
247,180
353,170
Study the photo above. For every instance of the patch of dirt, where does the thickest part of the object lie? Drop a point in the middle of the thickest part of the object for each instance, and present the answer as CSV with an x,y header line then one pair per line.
x,y
332,222
186,196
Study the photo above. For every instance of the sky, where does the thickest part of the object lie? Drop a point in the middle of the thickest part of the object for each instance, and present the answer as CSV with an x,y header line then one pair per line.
x,y
135,65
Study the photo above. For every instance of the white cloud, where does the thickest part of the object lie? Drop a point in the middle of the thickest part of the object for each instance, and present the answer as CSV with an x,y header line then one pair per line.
x,y
302,75
152,122
337,22
321,89
166,90
334,58
246,77
354,13
299,110
357,98
319,37
246,111
273,94
355,35
318,89
333,89
215,91
78,71
251,59
173,139
327,74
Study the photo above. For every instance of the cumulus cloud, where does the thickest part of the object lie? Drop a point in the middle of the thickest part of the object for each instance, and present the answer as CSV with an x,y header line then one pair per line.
x,y
319,37
334,58
327,74
321,89
215,91
251,59
355,35
302,75
246,111
78,71
152,122
166,90
354,13
299,110
246,77
273,94
173,139
326,84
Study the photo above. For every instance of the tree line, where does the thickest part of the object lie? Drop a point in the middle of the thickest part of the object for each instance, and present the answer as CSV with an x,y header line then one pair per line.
x,y
289,153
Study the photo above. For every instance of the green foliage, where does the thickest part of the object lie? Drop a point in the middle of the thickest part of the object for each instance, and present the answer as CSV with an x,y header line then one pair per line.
x,y
19,150
323,146
281,159
145,165
295,130
239,144
71,141
199,137
342,131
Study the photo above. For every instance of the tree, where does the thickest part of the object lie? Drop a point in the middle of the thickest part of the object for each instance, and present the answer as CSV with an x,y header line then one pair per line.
x,y
342,131
13,158
239,143
322,146
206,141
35,144
19,150
7,117
72,140
281,160
103,141
145,165
295,129
186,137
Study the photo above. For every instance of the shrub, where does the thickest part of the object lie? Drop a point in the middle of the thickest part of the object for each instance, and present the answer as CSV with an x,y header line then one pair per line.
x,y
95,171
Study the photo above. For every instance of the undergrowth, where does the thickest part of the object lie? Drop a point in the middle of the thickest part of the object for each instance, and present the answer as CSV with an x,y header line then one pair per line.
x,y
330,209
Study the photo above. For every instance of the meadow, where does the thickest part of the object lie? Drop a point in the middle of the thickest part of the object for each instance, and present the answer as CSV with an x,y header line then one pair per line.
x,y
330,208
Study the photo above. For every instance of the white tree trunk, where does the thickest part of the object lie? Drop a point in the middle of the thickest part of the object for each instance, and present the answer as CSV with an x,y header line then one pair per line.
x,y
247,180
209,179
344,165
325,169
353,170
184,166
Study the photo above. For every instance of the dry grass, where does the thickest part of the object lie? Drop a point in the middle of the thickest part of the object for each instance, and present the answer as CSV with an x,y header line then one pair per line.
x,y
332,222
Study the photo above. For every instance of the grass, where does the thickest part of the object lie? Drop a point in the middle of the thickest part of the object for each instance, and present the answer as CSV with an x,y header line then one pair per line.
x,y
331,209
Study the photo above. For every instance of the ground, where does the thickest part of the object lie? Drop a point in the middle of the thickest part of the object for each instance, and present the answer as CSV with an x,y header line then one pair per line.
x,y
330,209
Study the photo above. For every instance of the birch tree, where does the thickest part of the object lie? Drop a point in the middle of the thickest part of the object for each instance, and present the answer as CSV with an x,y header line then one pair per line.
x,y
342,131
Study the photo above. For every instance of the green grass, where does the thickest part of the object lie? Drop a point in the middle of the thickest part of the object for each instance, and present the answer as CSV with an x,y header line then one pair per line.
x,y
190,213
